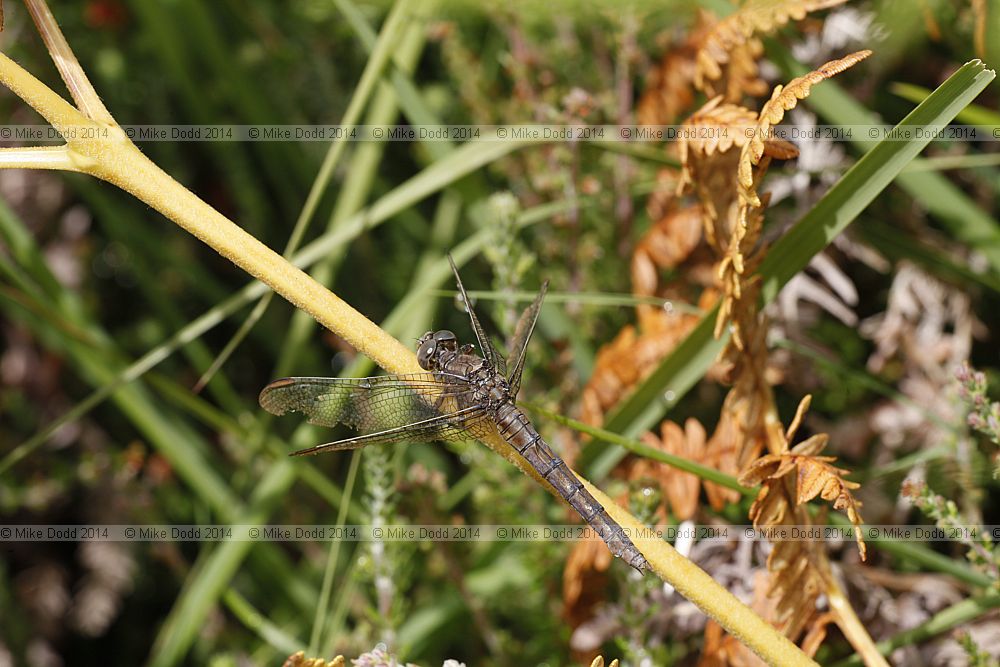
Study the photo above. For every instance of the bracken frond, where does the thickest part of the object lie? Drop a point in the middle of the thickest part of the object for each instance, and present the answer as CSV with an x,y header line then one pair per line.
x,y
747,227
712,129
814,475
668,91
665,245
789,478
784,98
680,488
299,659
727,59
708,162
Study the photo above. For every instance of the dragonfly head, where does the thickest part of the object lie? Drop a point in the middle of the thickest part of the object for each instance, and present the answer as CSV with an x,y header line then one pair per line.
x,y
433,343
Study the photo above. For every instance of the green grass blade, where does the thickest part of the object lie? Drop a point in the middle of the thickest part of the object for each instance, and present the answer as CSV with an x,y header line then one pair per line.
x,y
946,162
253,620
642,449
215,570
972,114
790,254
940,197
947,619
319,619
896,245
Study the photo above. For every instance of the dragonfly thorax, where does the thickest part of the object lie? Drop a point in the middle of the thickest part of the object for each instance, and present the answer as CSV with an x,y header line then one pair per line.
x,y
464,392
439,351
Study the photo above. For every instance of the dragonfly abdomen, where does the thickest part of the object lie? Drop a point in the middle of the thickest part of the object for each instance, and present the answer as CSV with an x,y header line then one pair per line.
x,y
517,430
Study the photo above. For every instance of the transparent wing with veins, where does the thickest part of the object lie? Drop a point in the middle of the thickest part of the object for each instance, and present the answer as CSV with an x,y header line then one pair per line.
x,y
522,334
493,358
384,409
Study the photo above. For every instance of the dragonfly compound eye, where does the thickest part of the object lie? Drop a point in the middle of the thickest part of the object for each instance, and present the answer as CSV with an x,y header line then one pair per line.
x,y
425,353
459,396
446,339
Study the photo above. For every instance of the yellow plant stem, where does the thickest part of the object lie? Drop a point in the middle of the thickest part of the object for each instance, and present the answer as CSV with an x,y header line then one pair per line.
x,y
103,150
37,157
697,586
852,627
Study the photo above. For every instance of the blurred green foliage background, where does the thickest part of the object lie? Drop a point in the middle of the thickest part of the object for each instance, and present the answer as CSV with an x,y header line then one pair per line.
x,y
93,281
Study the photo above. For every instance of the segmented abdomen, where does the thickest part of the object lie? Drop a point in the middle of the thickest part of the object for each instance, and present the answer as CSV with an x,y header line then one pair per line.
x,y
517,430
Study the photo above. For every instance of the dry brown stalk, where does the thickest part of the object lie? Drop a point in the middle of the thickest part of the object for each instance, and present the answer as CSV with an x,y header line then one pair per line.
x,y
727,58
789,477
722,165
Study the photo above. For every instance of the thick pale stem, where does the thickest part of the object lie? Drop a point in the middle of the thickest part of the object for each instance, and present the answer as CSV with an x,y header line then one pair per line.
x,y
61,114
80,88
110,155
38,157
129,169
852,627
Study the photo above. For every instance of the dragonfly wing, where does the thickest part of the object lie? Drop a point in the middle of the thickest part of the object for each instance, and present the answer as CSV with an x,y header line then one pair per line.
x,y
490,354
369,405
456,426
522,334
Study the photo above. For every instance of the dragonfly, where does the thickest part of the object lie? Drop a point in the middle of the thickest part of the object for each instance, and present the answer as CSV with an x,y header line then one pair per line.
x,y
462,395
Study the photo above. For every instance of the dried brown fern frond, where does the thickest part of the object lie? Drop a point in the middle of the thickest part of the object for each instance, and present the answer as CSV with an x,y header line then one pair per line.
x,y
739,284
789,478
746,230
667,243
727,59
299,659
708,162
813,476
630,356
722,454
784,98
797,582
681,489
668,92
663,199
716,126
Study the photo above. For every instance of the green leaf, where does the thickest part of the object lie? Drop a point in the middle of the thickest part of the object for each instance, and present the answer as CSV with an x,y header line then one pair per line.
x,y
790,254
